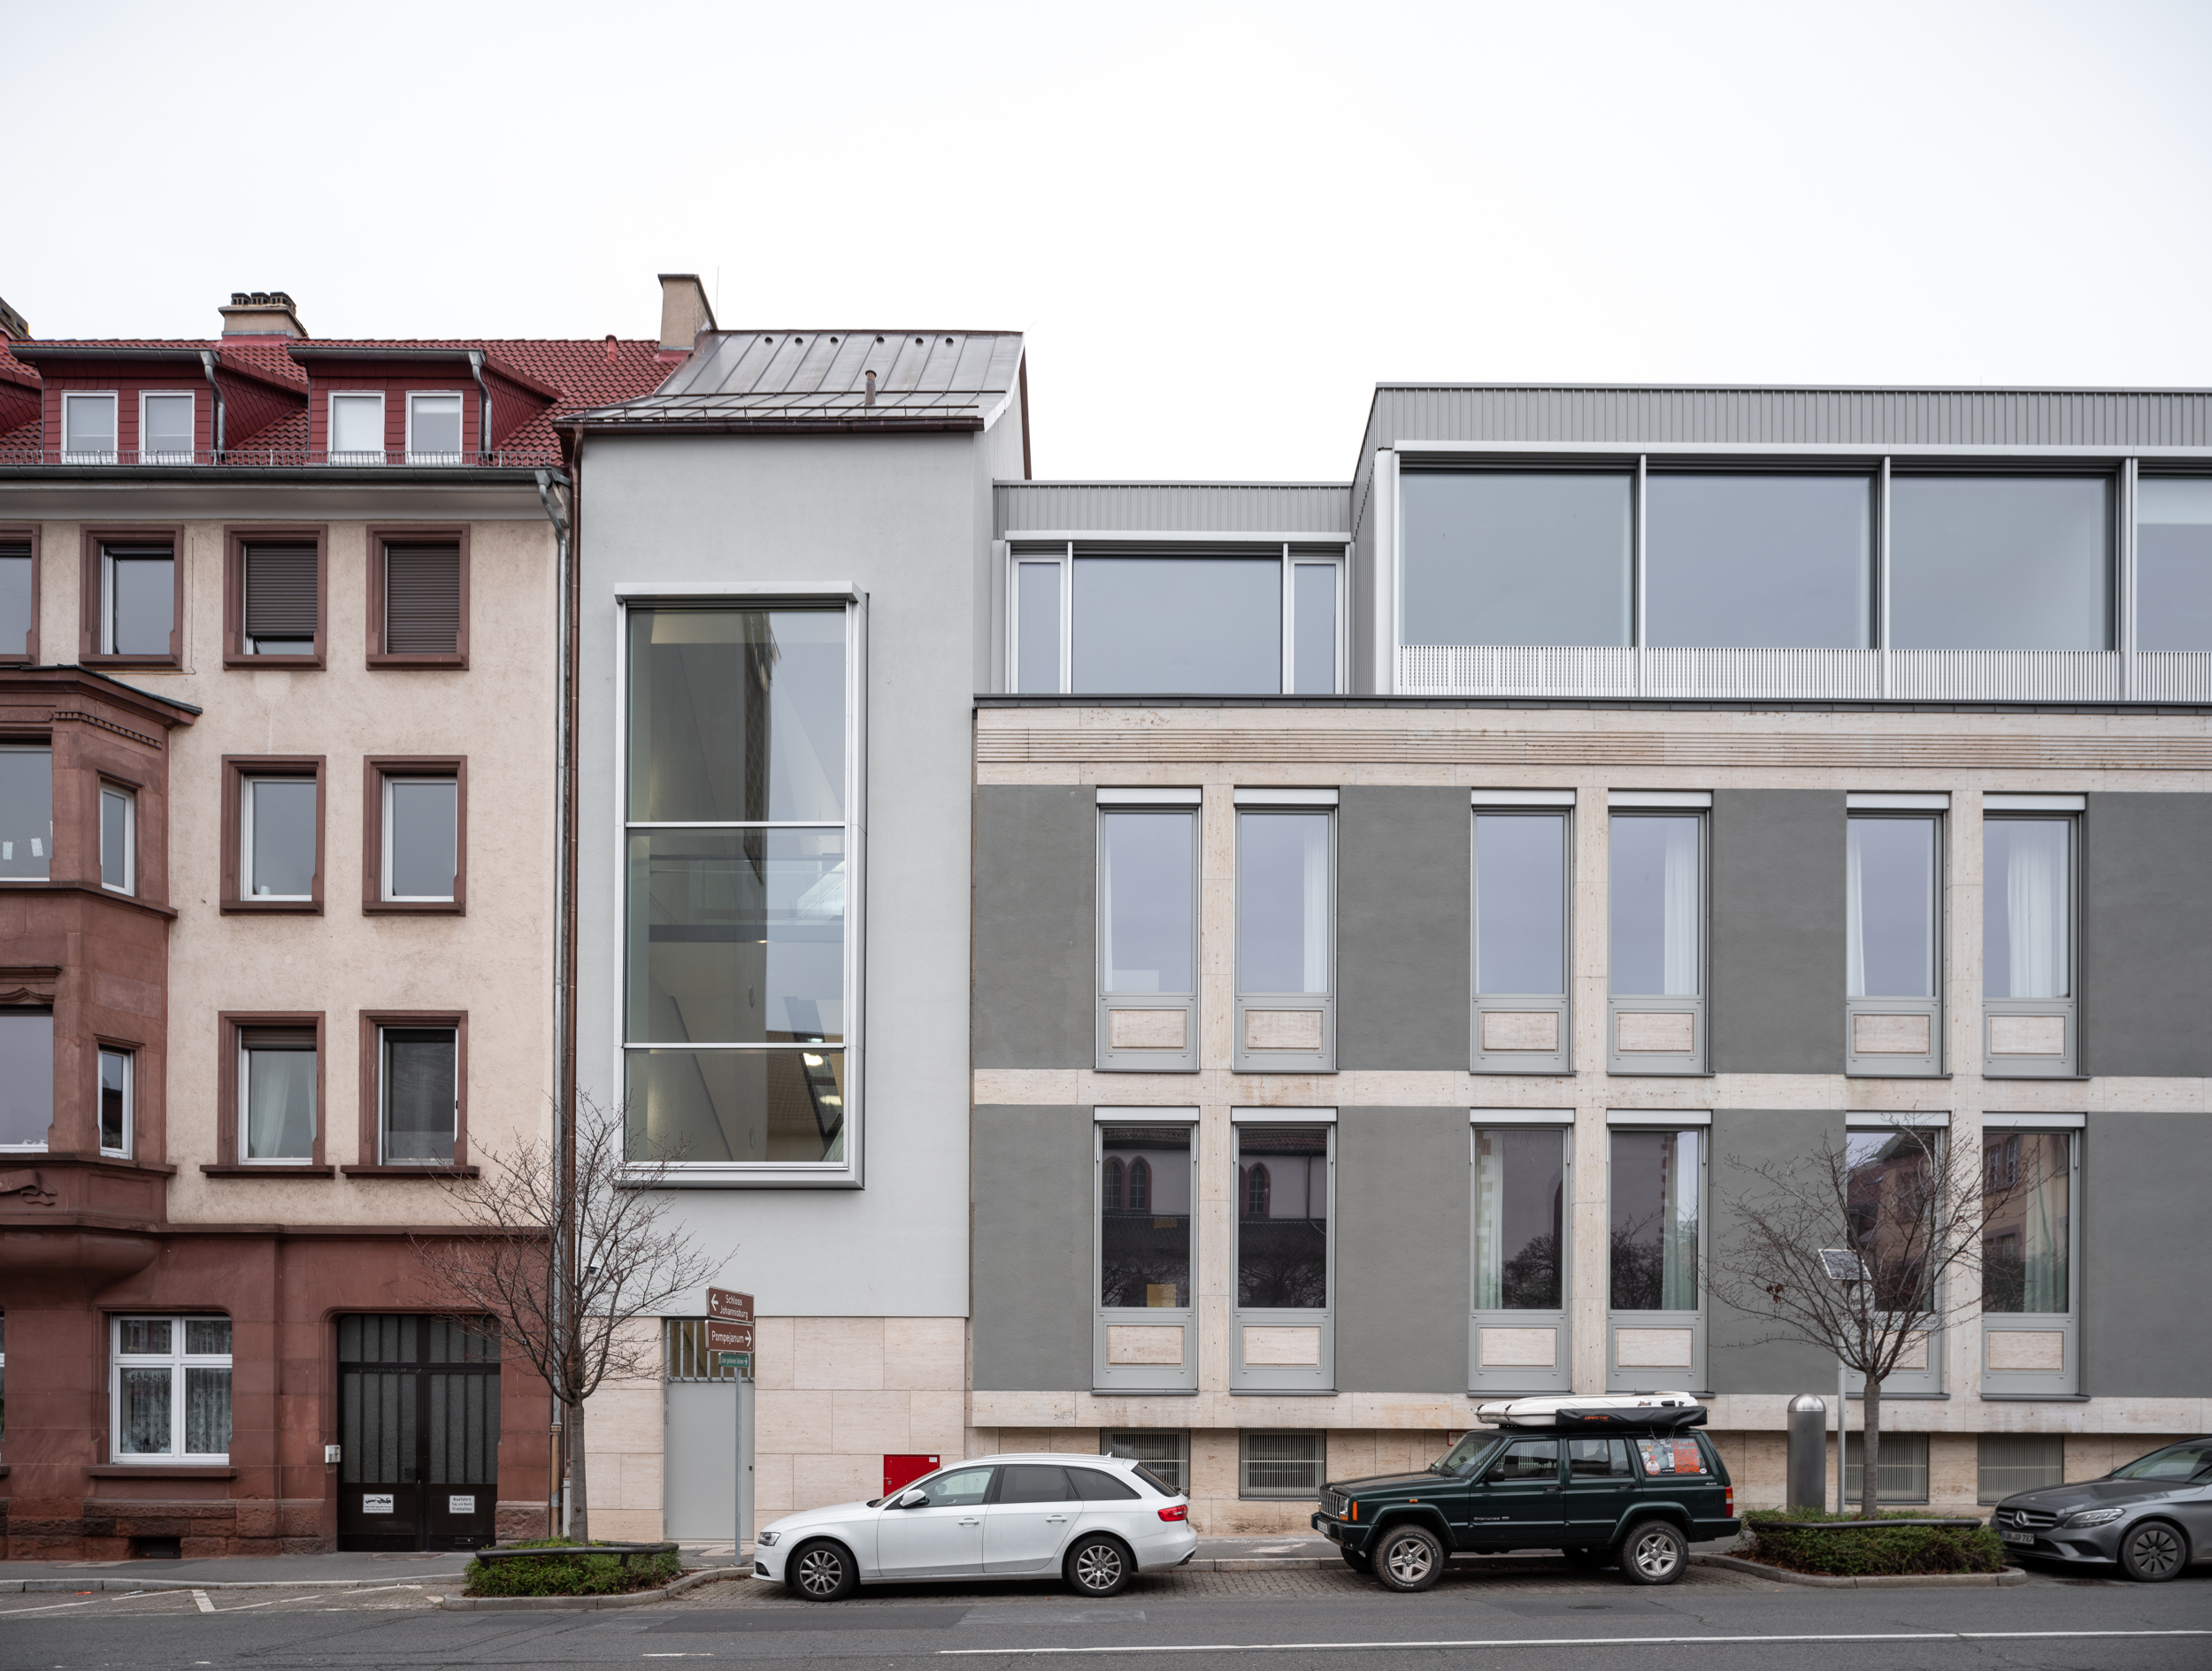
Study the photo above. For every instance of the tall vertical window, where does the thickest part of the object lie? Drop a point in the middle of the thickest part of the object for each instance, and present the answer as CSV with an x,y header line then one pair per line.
x,y
421,839
1520,913
1314,628
2031,1249
277,835
1505,557
1037,588
1760,561
87,429
26,812
2028,943
1144,1328
118,839
1148,929
165,427
739,954
1283,1321
434,429
2173,563
357,429
1518,1332
18,607
1892,917
138,600
418,1095
26,1077
1653,1201
171,1389
1286,929
1657,968
2000,562
276,1094
117,1094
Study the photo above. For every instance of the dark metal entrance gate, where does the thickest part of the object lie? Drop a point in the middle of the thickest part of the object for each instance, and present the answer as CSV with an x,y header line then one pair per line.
x,y
418,1422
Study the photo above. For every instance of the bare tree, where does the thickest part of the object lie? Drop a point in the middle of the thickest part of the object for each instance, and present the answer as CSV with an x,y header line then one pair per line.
x,y
566,1271
1864,1249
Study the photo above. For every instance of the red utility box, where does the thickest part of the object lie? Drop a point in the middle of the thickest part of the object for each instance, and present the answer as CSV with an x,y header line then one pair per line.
x,y
905,1470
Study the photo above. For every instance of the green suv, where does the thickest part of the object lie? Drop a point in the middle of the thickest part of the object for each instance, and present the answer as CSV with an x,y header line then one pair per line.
x,y
1604,1490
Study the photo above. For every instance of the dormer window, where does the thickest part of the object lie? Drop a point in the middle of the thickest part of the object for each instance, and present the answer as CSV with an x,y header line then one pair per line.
x,y
165,427
87,429
357,429
434,429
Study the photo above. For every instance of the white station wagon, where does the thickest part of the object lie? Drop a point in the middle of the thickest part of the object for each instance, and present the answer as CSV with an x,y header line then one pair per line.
x,y
1095,1520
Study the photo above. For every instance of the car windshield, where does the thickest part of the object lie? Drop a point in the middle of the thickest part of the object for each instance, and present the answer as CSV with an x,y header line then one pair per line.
x,y
2189,1461
1464,1457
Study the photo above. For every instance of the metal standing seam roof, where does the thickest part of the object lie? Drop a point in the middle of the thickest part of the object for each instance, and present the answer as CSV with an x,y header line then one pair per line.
x,y
771,380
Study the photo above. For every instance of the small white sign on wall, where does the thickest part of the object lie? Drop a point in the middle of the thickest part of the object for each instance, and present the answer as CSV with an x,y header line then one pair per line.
x,y
460,1505
376,1502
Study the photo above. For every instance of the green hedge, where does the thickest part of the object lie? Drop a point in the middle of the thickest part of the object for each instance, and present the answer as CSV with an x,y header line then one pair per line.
x,y
1780,1540
570,1570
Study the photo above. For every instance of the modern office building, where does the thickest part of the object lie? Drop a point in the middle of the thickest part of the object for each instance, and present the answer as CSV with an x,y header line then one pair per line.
x,y
278,727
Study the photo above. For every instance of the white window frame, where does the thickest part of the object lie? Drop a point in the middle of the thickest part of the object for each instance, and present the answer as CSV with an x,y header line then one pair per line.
x,y
127,800
384,882
245,837
384,1091
176,1360
332,452
1294,552
460,408
849,1172
244,1112
124,553
70,399
129,1059
191,425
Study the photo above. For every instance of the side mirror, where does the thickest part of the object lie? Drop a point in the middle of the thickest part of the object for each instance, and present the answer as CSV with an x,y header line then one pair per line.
x,y
916,1499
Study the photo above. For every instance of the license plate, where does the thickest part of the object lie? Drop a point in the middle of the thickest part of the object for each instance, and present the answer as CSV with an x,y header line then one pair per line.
x,y
2017,1538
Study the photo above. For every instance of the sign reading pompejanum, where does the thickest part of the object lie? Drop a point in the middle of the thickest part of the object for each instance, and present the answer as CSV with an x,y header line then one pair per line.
x,y
729,1337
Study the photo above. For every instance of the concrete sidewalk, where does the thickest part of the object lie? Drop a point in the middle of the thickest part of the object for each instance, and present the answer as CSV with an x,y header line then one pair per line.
x,y
290,1571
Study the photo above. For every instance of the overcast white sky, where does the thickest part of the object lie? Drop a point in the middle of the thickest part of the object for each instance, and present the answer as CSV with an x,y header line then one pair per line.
x,y
1220,224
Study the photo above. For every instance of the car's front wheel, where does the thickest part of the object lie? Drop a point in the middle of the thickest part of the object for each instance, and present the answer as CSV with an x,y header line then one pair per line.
x,y
2153,1553
822,1572
1409,1558
1653,1552
1098,1565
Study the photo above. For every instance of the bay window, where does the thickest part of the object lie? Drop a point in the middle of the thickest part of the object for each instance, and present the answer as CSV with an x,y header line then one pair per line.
x,y
118,839
118,1090
170,1389
26,812
26,1077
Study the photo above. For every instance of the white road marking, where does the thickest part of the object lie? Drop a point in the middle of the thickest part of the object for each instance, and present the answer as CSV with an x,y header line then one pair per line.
x,y
1596,1641
199,1598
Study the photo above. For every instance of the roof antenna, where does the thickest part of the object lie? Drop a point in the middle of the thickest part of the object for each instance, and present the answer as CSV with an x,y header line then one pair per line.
x,y
871,398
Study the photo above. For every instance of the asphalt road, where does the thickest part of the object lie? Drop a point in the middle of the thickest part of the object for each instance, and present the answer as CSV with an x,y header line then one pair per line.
x,y
1518,1615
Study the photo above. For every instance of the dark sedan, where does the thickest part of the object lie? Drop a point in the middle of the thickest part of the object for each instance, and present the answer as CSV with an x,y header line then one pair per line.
x,y
2153,1516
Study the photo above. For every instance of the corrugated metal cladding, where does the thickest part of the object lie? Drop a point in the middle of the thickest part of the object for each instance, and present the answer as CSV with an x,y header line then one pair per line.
x,y
1319,508
1871,418
823,374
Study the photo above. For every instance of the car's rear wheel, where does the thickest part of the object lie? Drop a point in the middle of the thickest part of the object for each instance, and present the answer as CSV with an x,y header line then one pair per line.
x,y
822,1572
1357,1561
2153,1553
1098,1565
1653,1552
1409,1558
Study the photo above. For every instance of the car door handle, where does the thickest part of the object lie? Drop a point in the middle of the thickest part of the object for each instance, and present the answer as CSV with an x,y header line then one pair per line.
x,y
1053,1519
971,1523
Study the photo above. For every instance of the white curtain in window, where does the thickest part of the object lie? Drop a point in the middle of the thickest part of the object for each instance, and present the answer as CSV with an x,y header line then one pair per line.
x,y
1681,908
1316,905
1489,1224
2044,1175
2035,908
1678,1270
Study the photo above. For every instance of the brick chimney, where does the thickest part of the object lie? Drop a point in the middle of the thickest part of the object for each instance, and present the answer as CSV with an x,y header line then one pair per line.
x,y
13,327
685,312
262,313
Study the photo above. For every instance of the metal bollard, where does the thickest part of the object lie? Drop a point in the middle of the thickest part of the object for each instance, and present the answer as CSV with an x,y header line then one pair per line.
x,y
1809,1452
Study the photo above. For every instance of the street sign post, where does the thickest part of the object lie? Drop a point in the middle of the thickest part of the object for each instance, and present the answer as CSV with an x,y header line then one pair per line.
x,y
729,1336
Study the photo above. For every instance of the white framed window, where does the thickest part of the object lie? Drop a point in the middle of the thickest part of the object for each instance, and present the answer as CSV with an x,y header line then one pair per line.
x,y
165,426
138,599
88,428
356,428
434,427
277,835
169,1389
276,1095
119,1096
1236,618
419,1112
739,825
421,839
118,839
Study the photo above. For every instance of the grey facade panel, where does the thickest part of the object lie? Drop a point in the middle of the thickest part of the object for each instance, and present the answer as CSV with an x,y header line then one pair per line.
x,y
1036,859
1224,507
1402,1270
1778,924
1403,928
2144,1257
1033,1211
1737,1358
2146,935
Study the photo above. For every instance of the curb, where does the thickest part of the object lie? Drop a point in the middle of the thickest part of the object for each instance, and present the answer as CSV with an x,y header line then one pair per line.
x,y
590,1604
72,1586
1893,1581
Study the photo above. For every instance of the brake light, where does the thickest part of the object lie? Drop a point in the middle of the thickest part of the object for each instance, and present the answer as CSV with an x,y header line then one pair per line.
x,y
1728,1501
1176,1511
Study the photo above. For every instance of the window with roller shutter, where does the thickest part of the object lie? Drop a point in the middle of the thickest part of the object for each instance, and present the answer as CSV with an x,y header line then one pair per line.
x,y
272,595
419,604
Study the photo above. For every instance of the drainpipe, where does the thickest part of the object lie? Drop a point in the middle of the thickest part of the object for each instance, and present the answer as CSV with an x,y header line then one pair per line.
x,y
565,937
484,420
207,362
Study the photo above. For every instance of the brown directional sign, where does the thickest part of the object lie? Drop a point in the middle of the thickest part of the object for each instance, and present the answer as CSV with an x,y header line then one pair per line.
x,y
729,1305
729,1337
